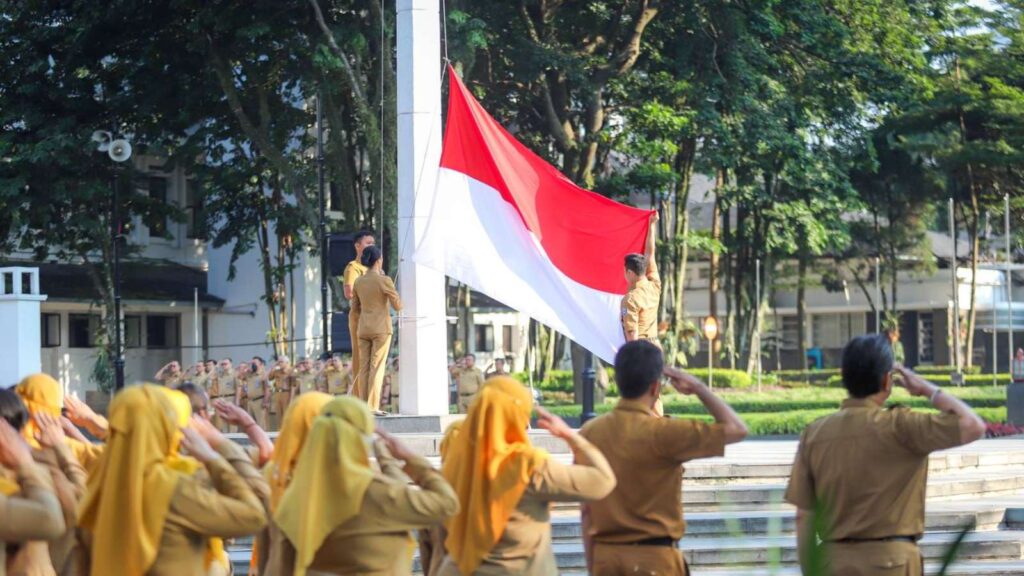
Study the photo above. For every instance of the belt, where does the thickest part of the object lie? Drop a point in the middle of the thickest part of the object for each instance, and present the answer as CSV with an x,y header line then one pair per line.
x,y
664,541
467,393
911,539
255,397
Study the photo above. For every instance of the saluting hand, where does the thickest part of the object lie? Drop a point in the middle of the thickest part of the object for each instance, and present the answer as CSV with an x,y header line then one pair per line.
x,y
683,382
233,414
553,424
78,412
50,433
396,447
14,451
212,436
914,384
70,430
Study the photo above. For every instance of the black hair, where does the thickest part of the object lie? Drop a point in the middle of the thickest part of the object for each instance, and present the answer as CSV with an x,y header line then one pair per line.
x,y
262,361
13,409
197,397
638,364
636,263
866,361
361,234
370,256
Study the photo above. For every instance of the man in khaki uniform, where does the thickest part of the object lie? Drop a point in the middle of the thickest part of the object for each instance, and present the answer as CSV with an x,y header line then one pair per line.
x,y
353,271
256,389
222,387
635,529
468,379
282,382
333,379
498,370
640,304
304,378
170,375
866,467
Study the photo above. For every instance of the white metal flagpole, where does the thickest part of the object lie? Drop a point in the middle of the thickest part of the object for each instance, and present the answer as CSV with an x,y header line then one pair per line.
x,y
1009,284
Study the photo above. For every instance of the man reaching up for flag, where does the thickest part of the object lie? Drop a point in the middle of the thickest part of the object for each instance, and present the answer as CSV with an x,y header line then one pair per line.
x,y
640,304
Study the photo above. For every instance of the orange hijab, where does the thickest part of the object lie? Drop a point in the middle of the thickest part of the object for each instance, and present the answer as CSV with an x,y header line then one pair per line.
x,y
128,494
298,420
41,393
489,462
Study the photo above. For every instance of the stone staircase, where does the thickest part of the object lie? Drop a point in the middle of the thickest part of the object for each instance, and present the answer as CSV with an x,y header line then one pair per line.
x,y
738,524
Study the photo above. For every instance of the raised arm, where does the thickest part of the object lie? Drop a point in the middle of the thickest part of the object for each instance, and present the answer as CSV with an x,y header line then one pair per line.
x,y
735,429
589,478
972,427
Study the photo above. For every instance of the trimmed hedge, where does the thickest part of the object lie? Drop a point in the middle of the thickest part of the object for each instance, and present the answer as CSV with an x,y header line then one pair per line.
x,y
945,379
946,369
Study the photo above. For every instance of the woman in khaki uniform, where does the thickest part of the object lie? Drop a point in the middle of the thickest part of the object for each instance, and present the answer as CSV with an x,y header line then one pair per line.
x,y
44,395
506,486
362,521
372,294
29,509
144,516
431,540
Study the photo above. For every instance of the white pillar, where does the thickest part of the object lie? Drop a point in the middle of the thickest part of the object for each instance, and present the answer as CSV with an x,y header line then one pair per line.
x,y
423,379
19,315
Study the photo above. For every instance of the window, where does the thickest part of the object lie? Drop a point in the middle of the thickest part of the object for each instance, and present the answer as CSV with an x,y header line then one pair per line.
x,y
790,333
926,337
133,331
194,209
157,189
162,331
50,330
704,273
506,339
835,330
82,329
484,338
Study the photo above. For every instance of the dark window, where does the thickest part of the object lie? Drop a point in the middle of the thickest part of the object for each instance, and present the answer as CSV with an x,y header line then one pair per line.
x,y
484,338
82,329
50,330
162,331
157,189
194,208
506,339
133,331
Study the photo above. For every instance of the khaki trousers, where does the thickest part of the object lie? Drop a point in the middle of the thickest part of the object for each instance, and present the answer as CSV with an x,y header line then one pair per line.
x,y
353,333
279,404
258,412
874,559
373,352
619,559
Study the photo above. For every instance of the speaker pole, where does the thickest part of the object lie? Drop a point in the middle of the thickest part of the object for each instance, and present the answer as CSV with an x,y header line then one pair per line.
x,y
325,245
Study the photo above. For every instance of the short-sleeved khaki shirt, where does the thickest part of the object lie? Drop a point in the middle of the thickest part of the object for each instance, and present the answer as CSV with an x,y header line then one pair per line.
x,y
352,273
224,384
470,380
646,453
640,307
868,468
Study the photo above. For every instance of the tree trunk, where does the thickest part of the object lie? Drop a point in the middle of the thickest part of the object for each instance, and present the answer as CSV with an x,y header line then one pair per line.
x,y
801,307
716,236
972,313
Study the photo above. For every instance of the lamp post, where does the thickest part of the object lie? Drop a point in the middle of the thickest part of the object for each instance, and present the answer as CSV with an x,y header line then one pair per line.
x,y
711,333
589,380
119,151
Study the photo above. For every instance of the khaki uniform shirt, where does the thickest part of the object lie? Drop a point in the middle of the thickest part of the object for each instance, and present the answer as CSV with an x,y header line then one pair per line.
x,y
371,295
353,271
198,513
254,385
470,380
868,466
223,385
201,380
282,379
640,307
525,545
304,382
34,513
647,454
173,381
334,382
377,540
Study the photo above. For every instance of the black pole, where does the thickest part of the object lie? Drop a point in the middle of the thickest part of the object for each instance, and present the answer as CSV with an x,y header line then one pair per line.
x,y
589,380
324,241
115,237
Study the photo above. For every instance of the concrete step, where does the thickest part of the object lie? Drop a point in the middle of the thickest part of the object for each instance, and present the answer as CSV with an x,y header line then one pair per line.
x,y
972,568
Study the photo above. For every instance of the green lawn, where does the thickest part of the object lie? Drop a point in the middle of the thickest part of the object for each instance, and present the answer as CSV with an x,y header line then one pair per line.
x,y
788,411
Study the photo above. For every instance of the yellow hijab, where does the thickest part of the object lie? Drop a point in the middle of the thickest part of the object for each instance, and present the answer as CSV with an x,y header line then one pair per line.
x,y
333,471
187,465
450,434
489,464
129,492
298,419
41,393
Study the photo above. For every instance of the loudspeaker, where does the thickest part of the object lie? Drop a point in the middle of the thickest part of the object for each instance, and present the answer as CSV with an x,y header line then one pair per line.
x,y
341,251
341,340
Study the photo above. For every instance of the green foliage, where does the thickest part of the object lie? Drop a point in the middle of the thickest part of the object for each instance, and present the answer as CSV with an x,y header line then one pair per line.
x,y
944,379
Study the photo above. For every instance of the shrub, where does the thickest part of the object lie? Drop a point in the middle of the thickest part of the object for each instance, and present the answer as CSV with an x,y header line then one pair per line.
x,y
724,378
945,379
947,370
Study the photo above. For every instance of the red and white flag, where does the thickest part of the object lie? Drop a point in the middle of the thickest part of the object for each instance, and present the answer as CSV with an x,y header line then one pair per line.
x,y
509,225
